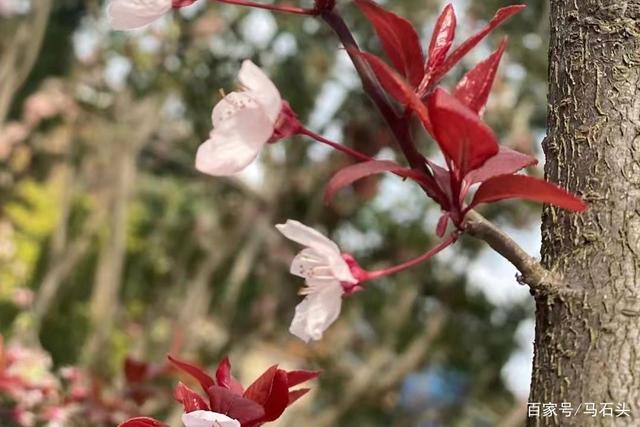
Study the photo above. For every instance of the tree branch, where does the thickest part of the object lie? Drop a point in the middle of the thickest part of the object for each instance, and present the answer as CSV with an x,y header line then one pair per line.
x,y
532,272
398,124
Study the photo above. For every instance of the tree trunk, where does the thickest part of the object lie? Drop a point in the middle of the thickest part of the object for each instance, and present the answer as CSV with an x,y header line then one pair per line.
x,y
587,348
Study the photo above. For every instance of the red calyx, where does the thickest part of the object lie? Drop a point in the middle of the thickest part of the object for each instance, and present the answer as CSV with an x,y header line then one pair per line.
x,y
286,125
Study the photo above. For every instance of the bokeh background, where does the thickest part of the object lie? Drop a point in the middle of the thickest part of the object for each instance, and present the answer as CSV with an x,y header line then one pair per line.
x,y
112,246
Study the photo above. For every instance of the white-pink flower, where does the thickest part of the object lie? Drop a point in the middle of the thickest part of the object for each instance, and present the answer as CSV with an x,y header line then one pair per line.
x,y
243,122
325,271
208,419
131,14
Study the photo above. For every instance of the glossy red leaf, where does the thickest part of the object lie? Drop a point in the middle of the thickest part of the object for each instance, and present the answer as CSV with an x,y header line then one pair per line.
x,y
442,178
501,16
397,87
400,40
474,88
201,376
224,401
276,400
525,187
441,228
142,422
353,173
190,400
298,377
506,162
297,394
463,138
442,38
225,379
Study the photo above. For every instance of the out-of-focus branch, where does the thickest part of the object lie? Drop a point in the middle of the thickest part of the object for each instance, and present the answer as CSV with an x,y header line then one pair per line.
x,y
532,272
19,56
63,263
382,371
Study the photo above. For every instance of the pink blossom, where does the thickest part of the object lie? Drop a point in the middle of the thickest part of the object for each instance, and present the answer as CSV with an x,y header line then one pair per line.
x,y
208,419
132,14
326,274
243,122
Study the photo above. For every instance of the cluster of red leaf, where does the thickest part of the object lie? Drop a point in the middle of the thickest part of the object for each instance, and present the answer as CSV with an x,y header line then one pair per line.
x,y
469,147
265,400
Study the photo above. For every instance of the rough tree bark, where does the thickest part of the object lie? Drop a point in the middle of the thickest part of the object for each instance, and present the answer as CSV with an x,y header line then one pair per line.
x,y
587,347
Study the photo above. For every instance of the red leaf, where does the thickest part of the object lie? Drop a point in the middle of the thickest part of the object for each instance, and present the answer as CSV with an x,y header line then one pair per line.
x,y
525,187
142,422
225,379
201,376
441,228
463,138
297,394
397,87
455,57
352,173
190,400
473,89
443,33
224,401
135,371
278,397
298,377
506,162
399,40
259,390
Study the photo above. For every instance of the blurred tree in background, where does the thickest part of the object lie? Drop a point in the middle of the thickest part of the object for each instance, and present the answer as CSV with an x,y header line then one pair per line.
x,y
112,245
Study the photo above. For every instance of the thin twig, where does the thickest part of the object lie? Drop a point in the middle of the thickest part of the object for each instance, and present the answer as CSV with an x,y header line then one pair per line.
x,y
532,272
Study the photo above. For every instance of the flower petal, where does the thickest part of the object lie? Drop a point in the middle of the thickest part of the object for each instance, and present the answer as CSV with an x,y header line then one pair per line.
x,y
230,105
208,419
322,246
131,14
235,142
317,312
261,88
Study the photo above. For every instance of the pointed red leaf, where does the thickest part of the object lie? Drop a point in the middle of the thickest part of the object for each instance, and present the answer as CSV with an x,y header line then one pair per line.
x,y
473,89
259,390
298,377
297,394
190,400
525,187
201,376
441,228
353,173
442,178
225,379
224,401
463,138
443,33
501,16
400,40
506,162
277,398
397,87
142,422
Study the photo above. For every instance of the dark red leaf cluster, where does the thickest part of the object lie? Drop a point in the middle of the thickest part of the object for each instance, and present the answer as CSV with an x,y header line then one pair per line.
x,y
470,148
265,400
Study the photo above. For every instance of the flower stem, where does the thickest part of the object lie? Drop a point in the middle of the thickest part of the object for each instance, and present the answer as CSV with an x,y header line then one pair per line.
x,y
372,275
349,151
273,7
